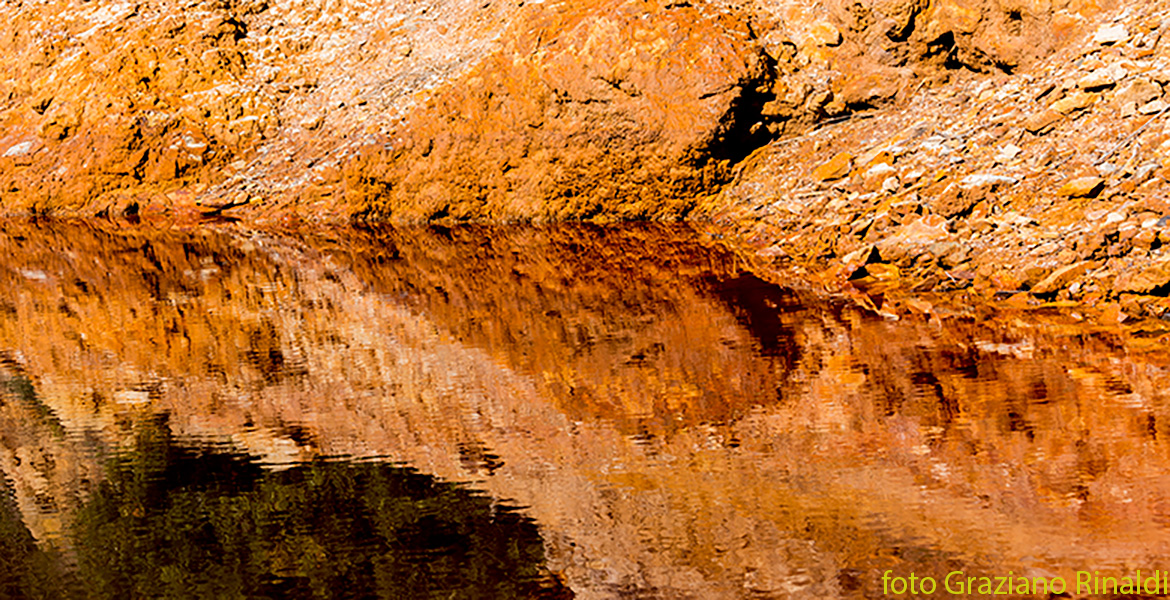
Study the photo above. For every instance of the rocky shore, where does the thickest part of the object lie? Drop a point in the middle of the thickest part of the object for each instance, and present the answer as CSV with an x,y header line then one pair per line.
x,y
1036,190
954,157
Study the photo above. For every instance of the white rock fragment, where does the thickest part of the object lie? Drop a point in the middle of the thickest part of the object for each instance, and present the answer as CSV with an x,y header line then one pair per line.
x,y
19,149
879,170
1007,153
1110,34
193,144
1103,77
1154,107
982,179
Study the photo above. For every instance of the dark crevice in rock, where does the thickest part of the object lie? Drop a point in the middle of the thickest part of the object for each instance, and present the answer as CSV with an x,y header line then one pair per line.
x,y
743,129
896,35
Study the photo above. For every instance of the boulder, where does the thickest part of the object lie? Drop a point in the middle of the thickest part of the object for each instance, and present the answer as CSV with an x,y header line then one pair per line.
x,y
613,110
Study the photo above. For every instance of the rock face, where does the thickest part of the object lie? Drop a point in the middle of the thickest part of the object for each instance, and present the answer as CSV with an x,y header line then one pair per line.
x,y
628,109
816,129
457,109
120,106
1049,179
104,95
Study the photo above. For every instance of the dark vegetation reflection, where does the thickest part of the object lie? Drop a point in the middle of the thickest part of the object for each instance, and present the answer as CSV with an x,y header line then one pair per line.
x,y
176,521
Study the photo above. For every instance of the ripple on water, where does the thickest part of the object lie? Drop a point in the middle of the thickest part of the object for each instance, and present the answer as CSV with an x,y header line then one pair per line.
x,y
536,412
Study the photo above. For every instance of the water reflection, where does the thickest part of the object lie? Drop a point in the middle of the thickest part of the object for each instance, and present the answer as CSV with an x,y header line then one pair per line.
x,y
673,425
186,522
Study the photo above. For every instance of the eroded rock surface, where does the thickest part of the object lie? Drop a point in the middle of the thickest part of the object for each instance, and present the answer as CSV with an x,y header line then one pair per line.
x,y
1038,189
417,110
111,107
820,132
623,109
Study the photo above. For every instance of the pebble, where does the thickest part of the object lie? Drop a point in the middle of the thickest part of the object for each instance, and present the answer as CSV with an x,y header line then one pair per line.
x,y
1145,239
982,179
19,149
1154,107
1152,278
1008,152
1042,122
1139,91
1076,102
1060,278
1082,187
837,167
825,33
1110,34
879,170
1112,315
1102,78
913,176
313,122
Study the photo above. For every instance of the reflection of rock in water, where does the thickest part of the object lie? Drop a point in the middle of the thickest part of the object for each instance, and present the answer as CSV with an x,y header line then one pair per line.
x,y
173,521
643,325
622,384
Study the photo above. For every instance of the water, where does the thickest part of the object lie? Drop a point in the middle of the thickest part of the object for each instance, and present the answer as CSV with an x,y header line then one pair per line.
x,y
520,412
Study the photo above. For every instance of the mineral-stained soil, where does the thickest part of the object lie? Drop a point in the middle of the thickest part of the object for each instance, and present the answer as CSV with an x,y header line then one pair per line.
x,y
996,151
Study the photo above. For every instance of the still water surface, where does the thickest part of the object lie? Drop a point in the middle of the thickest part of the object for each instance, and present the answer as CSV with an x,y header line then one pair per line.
x,y
518,412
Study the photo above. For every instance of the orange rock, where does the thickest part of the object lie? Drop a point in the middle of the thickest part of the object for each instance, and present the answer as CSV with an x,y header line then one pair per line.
x,y
918,231
872,86
1018,301
616,109
1082,187
1076,102
837,167
1111,315
1060,278
1042,122
825,34
920,306
1151,279
876,278
885,157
